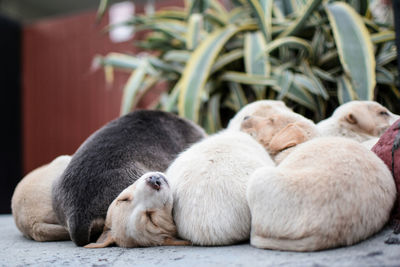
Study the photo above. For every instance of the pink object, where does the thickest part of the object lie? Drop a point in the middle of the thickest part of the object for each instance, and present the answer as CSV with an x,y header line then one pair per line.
x,y
388,149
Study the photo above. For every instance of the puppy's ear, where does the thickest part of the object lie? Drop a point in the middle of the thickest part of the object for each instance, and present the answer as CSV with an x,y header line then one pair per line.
x,y
175,242
289,136
362,120
103,241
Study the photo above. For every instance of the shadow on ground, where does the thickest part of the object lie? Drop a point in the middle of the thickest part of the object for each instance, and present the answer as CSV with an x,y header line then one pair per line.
x,y
15,250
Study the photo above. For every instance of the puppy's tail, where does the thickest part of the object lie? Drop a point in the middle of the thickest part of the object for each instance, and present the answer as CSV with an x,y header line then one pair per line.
x,y
83,231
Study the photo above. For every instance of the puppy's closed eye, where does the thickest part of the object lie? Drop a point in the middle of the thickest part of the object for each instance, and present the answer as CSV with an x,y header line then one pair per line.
x,y
125,198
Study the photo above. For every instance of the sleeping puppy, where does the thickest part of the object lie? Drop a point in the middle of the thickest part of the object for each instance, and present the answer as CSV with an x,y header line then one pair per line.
x,y
209,181
141,216
328,192
261,108
358,120
112,159
31,203
271,132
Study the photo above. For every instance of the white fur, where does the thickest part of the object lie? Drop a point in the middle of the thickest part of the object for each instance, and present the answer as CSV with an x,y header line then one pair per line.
x,y
209,188
31,203
337,125
328,192
261,108
369,144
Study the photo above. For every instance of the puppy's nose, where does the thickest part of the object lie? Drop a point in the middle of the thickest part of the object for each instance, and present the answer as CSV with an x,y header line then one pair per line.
x,y
155,182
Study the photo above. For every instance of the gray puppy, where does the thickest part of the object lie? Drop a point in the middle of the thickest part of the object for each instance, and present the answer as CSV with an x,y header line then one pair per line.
x,y
110,160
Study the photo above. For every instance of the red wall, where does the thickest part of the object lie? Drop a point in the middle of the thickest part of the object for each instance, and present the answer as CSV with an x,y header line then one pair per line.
x,y
63,100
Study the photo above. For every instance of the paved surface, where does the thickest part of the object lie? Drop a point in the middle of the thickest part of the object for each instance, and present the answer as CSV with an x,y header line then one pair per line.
x,y
15,250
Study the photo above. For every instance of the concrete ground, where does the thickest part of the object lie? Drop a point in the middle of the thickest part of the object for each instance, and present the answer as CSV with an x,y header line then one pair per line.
x,y
15,250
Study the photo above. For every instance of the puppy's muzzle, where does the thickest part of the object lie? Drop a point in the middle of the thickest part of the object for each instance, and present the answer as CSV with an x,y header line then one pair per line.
x,y
155,181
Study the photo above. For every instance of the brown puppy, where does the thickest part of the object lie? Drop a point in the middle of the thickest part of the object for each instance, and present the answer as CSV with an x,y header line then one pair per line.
x,y
261,108
141,216
31,203
279,132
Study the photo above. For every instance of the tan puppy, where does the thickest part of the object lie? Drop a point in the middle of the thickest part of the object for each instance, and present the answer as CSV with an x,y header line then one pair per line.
x,y
279,132
261,108
31,203
329,192
358,120
141,216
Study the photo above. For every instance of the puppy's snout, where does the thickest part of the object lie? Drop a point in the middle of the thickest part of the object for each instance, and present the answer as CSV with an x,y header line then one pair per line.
x,y
154,182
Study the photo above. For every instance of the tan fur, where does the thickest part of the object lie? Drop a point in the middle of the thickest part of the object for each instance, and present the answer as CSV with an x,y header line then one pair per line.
x,y
327,192
359,120
261,108
279,131
31,203
140,217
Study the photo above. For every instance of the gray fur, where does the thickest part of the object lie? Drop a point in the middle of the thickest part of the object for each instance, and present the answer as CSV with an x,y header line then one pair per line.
x,y
110,160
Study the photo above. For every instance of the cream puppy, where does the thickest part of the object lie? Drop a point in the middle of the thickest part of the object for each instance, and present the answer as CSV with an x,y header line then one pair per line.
x,y
329,192
141,216
31,203
261,108
358,120
209,182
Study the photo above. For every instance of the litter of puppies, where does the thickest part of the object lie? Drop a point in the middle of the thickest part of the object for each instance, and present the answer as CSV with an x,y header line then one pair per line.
x,y
272,177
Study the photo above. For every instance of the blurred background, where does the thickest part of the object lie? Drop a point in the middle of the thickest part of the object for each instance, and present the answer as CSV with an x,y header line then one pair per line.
x,y
52,97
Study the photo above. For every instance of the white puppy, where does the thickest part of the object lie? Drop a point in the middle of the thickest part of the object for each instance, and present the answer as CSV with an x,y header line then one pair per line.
x,y
31,203
141,216
328,192
359,120
261,108
209,188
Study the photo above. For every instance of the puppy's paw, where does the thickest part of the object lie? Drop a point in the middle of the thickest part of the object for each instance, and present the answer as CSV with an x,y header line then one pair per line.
x,y
394,237
396,227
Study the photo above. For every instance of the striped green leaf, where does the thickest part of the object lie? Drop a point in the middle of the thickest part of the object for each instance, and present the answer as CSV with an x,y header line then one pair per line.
x,y
197,6
245,78
263,13
346,91
355,48
132,88
316,83
199,67
226,59
213,118
385,58
299,23
118,60
254,45
171,102
194,31
285,80
237,95
101,9
383,37
291,42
